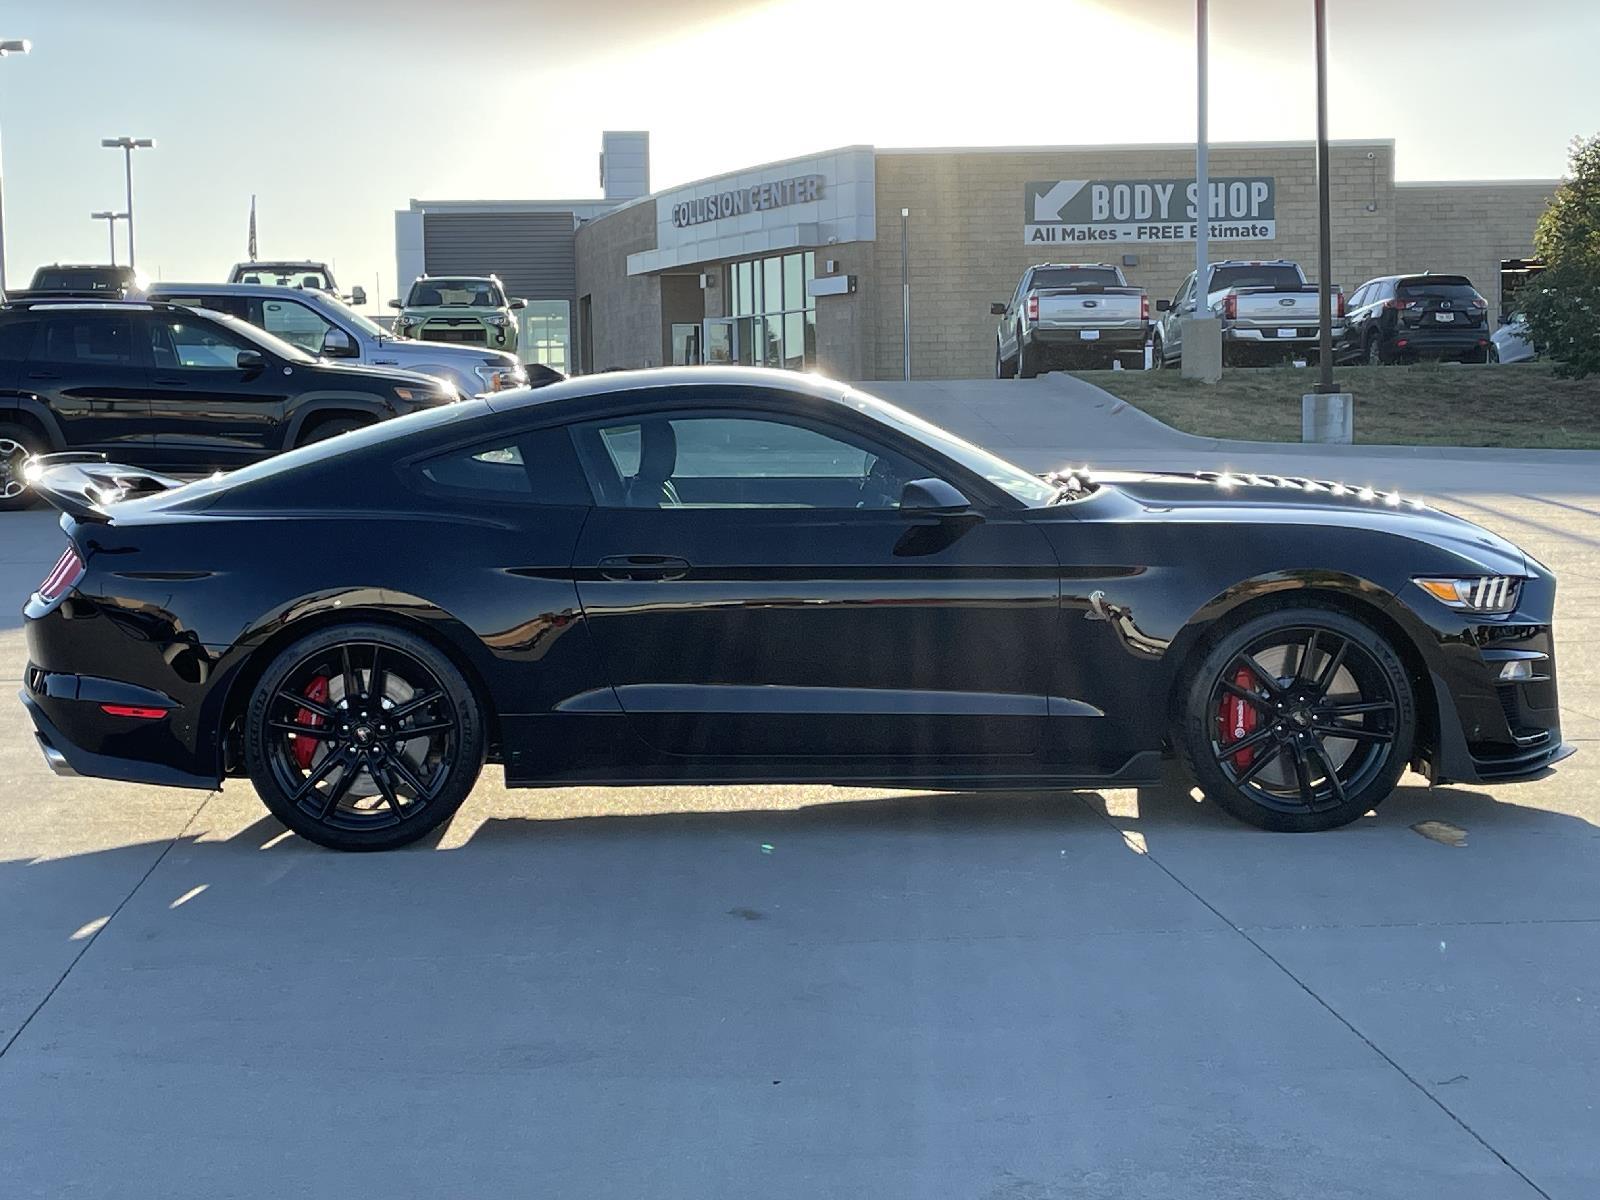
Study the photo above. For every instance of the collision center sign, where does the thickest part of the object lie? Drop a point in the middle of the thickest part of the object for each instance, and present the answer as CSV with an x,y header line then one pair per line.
x,y
1059,211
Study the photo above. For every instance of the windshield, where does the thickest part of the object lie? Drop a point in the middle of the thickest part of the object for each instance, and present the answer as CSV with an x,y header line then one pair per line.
x,y
456,293
350,316
1280,278
1062,277
261,337
285,275
1010,478
1443,289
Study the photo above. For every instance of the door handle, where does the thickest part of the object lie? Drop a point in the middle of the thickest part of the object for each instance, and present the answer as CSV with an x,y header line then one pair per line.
x,y
169,381
619,567
43,375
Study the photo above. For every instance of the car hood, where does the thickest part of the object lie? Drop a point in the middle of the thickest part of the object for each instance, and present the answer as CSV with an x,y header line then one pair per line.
x,y
1298,500
443,352
336,371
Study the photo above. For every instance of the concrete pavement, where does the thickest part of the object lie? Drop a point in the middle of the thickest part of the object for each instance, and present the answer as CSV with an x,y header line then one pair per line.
x,y
803,992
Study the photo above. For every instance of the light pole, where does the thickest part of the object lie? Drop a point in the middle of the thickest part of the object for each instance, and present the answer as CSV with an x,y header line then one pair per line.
x,y
7,46
905,286
1325,235
128,145
111,219
1202,172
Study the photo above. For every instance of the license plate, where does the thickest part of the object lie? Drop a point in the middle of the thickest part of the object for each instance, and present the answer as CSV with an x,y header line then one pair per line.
x,y
1090,335
1444,316
1288,333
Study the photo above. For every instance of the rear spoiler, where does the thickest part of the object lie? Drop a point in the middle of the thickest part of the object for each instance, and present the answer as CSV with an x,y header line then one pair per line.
x,y
84,485
1090,289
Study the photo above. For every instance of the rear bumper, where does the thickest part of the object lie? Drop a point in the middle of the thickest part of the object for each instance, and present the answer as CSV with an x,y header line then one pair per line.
x,y
1131,338
67,759
1438,341
1302,335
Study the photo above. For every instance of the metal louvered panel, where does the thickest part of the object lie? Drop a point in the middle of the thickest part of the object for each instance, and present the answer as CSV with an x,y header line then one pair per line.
x,y
532,253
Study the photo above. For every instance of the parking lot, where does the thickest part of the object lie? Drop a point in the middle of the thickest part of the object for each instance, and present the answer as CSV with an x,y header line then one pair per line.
x,y
687,992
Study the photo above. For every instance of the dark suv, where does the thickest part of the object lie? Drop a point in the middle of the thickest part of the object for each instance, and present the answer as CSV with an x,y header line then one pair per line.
x,y
1406,317
174,387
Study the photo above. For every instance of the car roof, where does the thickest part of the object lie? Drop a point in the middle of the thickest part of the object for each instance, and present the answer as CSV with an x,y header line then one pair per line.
x,y
721,378
231,289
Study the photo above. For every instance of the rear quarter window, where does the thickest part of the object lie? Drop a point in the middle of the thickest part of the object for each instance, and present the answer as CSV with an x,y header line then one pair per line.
x,y
15,338
537,467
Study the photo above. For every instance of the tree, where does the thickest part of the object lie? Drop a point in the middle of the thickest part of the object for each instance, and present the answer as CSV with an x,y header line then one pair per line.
x,y
1563,302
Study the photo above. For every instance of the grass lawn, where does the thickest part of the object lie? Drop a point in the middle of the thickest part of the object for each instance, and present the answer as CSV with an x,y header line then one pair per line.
x,y
1427,404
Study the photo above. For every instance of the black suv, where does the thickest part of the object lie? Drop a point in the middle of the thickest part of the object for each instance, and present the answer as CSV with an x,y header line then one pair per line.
x,y
1406,317
174,387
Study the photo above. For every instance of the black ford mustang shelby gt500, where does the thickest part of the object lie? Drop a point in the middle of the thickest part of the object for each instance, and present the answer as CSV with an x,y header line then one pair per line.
x,y
726,575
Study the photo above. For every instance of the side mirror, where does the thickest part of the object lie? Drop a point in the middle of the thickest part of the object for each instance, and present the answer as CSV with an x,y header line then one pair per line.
x,y
336,343
519,302
358,295
933,496
997,309
397,304
1163,305
251,360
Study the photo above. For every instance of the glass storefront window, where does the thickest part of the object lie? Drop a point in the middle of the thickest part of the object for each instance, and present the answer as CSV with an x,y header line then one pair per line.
x,y
546,334
773,292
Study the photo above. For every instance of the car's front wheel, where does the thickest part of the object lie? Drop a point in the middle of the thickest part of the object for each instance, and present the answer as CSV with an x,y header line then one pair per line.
x,y
1297,720
18,444
1002,369
363,737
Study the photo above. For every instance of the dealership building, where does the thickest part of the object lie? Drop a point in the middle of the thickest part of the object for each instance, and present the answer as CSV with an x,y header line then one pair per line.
x,y
810,263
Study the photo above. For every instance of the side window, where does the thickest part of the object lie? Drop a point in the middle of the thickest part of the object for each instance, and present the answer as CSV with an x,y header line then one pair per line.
x,y
15,338
234,306
294,323
183,343
718,461
1382,291
537,468
85,340
1182,293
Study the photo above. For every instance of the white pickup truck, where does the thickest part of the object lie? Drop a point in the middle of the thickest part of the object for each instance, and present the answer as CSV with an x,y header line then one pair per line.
x,y
1068,314
1269,313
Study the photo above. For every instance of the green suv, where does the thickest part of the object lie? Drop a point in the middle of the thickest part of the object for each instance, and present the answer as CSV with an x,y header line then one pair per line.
x,y
471,309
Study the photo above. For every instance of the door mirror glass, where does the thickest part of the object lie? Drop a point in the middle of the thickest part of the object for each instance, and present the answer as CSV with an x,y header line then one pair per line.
x,y
997,309
336,343
519,302
358,295
1163,305
397,303
250,360
932,495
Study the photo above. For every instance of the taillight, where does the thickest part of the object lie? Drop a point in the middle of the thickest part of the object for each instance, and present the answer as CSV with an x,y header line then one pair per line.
x,y
64,577
1033,307
1338,304
1479,302
1400,303
1230,307
1144,308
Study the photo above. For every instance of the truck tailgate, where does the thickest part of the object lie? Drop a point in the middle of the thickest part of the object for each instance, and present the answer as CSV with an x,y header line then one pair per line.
x,y
1266,310
1089,308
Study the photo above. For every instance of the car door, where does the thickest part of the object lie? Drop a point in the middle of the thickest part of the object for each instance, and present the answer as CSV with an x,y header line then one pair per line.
x,y
1008,323
1355,315
753,589
206,411
1172,325
85,367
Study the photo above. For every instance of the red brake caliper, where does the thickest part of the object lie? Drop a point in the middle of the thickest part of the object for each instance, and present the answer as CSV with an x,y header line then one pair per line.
x,y
303,748
1237,718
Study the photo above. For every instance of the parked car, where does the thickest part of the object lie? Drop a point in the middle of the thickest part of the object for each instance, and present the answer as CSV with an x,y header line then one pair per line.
x,y
717,575
1269,313
165,385
320,324
85,280
471,309
1406,317
1079,314
1511,343
305,274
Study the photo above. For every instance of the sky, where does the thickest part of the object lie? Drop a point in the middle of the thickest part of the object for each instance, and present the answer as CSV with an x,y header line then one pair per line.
x,y
335,113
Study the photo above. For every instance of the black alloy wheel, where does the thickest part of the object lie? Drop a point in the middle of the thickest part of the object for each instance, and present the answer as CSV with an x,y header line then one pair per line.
x,y
1299,720
363,737
17,445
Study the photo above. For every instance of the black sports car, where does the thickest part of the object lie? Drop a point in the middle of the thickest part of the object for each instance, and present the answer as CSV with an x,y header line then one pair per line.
x,y
737,576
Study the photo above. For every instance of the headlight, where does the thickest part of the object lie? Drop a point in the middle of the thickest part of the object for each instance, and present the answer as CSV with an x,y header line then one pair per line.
x,y
1475,593
497,376
497,319
413,395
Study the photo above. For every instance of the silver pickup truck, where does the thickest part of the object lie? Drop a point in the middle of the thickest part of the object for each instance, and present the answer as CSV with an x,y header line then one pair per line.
x,y
1068,314
1269,313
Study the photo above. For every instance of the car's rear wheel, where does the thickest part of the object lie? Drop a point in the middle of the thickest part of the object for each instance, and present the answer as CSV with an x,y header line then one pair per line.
x,y
1158,354
1027,364
363,737
1374,351
18,443
1298,720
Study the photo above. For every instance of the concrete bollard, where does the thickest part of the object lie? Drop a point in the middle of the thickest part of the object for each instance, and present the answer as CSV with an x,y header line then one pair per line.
x,y
1329,418
1202,349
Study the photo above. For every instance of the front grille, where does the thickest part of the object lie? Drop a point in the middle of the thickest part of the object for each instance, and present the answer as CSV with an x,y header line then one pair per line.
x,y
478,336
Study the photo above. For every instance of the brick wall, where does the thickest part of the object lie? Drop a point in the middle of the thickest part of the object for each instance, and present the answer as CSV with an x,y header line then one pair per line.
x,y
627,327
967,244
1468,228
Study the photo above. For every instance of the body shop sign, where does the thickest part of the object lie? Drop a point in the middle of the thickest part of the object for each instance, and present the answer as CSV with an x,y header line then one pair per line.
x,y
1060,211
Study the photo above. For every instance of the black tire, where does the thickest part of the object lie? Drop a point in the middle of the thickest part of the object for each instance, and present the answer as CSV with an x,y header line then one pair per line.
x,y
1027,364
351,779
333,427
1158,354
1001,369
18,443
1372,352
1478,357
1277,768
1494,354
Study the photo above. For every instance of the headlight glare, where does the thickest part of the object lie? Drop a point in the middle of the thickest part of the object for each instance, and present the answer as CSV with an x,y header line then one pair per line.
x,y
1475,593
